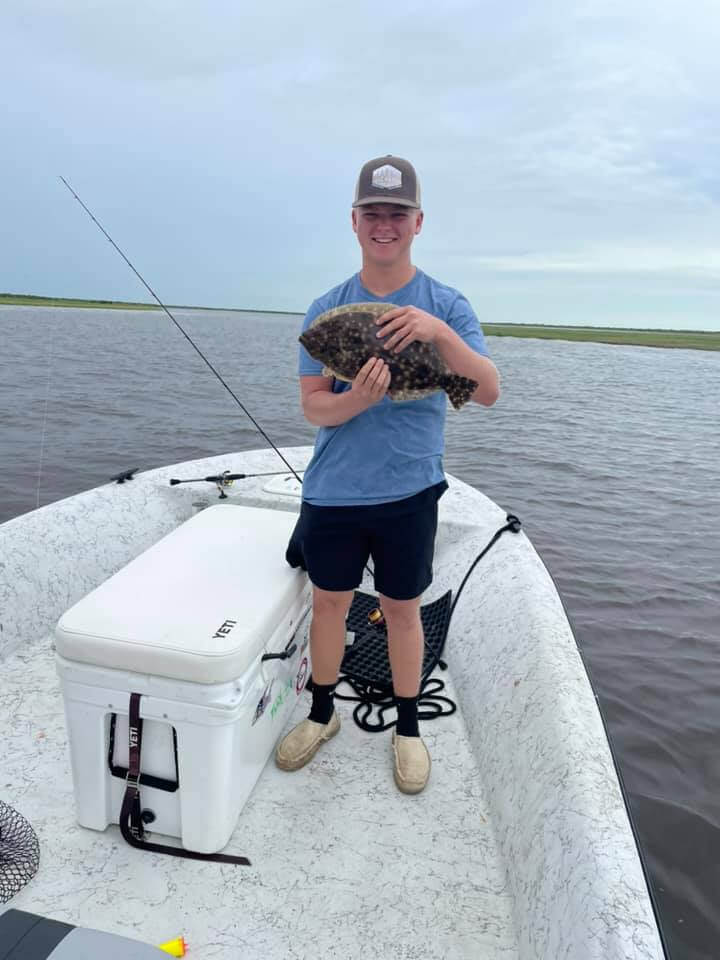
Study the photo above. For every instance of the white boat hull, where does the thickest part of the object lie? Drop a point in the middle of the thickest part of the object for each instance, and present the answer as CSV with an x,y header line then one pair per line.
x,y
520,847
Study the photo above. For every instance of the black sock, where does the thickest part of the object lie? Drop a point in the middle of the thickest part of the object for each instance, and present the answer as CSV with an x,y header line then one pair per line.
x,y
407,717
322,702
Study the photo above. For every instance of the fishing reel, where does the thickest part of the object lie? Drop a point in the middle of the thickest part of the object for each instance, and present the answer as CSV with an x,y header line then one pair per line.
x,y
221,481
224,480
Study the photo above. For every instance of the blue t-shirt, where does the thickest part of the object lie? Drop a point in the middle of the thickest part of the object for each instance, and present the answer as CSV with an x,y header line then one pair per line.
x,y
392,450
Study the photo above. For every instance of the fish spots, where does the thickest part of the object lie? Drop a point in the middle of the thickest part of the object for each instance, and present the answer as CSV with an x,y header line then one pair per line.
x,y
344,339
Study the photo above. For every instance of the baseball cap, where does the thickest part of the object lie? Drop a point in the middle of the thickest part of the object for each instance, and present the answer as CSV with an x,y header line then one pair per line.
x,y
388,179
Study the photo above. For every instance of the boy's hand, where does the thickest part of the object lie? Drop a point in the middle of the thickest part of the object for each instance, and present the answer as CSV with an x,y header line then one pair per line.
x,y
405,324
372,381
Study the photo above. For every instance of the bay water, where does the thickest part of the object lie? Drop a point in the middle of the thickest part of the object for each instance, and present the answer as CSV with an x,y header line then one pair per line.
x,y
608,454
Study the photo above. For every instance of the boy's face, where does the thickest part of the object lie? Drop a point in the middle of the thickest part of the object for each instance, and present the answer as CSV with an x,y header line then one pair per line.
x,y
385,231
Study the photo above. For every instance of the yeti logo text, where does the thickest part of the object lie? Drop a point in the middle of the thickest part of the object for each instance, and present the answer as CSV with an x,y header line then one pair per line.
x,y
224,629
133,737
387,177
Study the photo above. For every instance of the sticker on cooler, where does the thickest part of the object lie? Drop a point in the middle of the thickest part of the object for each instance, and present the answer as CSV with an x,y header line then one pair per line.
x,y
301,675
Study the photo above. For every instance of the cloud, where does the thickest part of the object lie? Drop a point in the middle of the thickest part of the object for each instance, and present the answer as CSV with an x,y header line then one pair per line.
x,y
615,260
553,140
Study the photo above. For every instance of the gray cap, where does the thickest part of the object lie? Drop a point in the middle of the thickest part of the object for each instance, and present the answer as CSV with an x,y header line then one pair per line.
x,y
388,179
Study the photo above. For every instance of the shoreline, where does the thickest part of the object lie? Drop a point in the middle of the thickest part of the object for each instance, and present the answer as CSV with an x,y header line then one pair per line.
x,y
622,336
619,336
32,300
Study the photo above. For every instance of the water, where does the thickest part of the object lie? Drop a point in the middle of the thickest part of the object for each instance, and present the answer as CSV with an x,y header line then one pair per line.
x,y
608,454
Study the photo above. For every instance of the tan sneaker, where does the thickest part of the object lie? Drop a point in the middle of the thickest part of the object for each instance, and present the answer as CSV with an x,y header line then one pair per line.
x,y
412,763
304,741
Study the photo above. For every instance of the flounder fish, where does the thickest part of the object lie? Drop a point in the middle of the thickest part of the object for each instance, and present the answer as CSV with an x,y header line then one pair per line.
x,y
345,338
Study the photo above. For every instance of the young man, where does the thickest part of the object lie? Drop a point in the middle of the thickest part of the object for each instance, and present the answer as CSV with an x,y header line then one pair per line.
x,y
376,475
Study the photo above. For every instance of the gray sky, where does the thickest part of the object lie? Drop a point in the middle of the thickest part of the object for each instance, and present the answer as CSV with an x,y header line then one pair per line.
x,y
569,152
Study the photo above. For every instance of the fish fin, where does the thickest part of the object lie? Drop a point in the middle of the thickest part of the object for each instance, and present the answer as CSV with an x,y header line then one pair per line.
x,y
327,372
376,309
407,396
459,389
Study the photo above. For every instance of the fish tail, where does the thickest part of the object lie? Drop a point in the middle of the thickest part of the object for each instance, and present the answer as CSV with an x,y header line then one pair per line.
x,y
459,389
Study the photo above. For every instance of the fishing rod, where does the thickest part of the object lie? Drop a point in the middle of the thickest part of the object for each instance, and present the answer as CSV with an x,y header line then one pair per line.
x,y
184,333
225,479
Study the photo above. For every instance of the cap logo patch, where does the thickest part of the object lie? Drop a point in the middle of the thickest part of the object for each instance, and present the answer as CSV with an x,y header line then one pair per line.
x,y
387,177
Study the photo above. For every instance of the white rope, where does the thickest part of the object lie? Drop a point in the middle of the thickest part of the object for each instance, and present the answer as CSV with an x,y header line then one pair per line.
x,y
45,418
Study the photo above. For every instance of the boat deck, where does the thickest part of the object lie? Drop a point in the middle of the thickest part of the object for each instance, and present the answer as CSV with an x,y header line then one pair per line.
x,y
343,863
520,846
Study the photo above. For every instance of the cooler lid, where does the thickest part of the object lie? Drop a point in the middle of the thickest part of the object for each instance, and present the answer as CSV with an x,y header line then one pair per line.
x,y
198,605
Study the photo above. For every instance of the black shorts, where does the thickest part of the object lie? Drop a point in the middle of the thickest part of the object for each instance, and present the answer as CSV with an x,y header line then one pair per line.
x,y
333,544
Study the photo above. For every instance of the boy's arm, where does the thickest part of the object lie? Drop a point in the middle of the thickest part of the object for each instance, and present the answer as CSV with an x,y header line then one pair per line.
x,y
323,408
464,361
462,349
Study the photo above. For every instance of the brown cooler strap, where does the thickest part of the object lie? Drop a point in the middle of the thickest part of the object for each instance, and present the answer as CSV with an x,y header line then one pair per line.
x,y
131,823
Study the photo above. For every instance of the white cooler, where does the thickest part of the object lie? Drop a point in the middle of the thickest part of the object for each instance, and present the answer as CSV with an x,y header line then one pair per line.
x,y
186,625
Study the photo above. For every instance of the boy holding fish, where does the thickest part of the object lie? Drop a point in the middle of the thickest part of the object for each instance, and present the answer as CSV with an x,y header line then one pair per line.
x,y
376,387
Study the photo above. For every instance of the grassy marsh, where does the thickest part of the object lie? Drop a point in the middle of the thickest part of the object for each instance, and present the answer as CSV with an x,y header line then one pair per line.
x,y
683,339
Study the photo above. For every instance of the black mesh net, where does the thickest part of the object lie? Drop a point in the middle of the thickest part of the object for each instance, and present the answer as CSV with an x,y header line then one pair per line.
x,y
366,667
367,660
19,852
